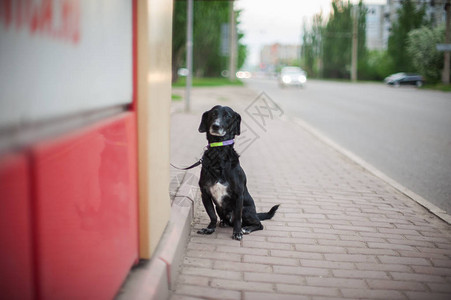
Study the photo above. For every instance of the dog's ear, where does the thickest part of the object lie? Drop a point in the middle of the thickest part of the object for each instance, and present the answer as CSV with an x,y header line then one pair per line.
x,y
237,124
203,124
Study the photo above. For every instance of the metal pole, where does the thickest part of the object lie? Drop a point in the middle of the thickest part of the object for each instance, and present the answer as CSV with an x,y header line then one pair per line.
x,y
447,54
354,44
189,54
233,40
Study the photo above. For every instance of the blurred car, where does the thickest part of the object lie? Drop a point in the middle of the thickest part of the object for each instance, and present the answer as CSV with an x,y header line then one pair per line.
x,y
183,72
292,76
243,75
398,79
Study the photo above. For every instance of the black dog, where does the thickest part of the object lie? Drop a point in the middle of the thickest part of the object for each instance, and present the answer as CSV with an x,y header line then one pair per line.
x,y
222,180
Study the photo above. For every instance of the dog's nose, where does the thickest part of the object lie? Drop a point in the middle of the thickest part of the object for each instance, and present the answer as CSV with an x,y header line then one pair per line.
x,y
215,127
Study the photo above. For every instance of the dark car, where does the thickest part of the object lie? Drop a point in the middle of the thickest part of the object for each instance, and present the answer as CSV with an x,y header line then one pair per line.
x,y
404,79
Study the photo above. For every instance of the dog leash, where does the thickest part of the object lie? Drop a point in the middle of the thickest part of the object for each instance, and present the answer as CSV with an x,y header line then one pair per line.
x,y
199,162
211,145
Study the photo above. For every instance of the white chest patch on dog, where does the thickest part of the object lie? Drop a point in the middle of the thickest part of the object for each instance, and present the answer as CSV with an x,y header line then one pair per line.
x,y
218,191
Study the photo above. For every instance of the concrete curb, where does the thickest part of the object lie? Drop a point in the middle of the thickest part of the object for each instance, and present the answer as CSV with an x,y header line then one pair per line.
x,y
155,278
440,213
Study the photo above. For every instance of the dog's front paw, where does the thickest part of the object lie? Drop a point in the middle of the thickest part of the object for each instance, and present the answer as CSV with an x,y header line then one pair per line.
x,y
245,230
237,236
206,231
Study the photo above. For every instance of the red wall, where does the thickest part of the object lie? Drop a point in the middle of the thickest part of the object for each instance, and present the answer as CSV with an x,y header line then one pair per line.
x,y
68,205
16,267
71,205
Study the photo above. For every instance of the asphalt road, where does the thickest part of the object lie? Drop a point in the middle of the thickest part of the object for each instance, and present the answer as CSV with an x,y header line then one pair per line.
x,y
404,132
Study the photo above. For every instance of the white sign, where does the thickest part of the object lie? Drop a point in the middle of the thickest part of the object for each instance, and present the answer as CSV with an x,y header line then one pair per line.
x,y
61,57
443,47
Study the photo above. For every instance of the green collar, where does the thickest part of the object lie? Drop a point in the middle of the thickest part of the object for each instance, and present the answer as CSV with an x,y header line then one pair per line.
x,y
220,144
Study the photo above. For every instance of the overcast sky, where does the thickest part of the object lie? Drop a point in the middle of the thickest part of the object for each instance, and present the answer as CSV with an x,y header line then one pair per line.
x,y
269,21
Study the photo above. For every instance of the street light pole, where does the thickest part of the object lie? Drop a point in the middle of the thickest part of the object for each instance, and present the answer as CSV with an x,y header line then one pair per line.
x,y
447,54
232,41
189,54
354,43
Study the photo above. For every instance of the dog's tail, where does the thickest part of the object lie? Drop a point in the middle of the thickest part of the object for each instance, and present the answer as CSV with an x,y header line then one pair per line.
x,y
268,215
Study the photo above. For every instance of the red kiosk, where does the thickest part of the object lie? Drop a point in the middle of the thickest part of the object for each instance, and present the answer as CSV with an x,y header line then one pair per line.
x,y
73,217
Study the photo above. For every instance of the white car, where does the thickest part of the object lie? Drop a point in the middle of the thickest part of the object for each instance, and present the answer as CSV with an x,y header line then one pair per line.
x,y
292,76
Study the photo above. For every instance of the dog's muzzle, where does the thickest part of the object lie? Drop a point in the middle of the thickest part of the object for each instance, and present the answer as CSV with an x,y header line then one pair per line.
x,y
216,129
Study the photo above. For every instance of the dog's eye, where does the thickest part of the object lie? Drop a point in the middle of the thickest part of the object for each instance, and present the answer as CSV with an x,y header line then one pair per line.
x,y
227,116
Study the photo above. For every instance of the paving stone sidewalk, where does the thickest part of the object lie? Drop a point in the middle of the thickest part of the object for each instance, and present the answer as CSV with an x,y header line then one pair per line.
x,y
340,232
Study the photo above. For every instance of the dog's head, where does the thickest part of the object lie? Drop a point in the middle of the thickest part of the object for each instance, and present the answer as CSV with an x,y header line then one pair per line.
x,y
220,122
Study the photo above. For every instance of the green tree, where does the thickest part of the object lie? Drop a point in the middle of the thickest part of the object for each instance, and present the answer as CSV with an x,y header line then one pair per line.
x,y
422,50
409,17
311,46
337,39
178,37
242,48
208,17
378,65
362,52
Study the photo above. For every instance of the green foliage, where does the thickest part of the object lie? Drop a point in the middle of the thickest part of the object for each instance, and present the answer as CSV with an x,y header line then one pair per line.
x,y
176,97
178,37
338,39
207,82
326,49
409,17
311,47
378,65
208,18
438,87
423,53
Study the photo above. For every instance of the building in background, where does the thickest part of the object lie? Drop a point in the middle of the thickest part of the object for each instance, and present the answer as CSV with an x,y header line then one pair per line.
x,y
381,16
377,27
276,55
